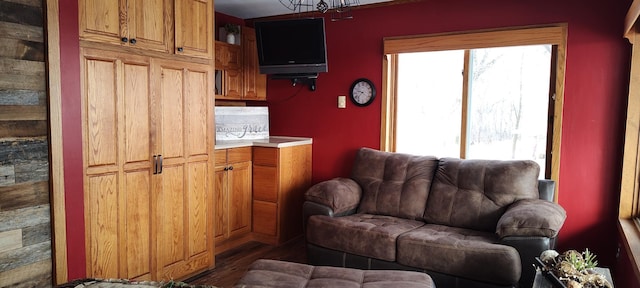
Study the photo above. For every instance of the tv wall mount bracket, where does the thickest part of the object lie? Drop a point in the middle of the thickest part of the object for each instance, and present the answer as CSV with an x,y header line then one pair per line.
x,y
302,79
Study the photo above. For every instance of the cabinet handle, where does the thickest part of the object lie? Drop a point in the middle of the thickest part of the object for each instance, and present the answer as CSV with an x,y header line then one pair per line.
x,y
180,49
155,164
226,169
160,164
230,167
132,41
124,39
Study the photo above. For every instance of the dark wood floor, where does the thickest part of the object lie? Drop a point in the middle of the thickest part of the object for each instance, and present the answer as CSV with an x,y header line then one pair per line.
x,y
232,264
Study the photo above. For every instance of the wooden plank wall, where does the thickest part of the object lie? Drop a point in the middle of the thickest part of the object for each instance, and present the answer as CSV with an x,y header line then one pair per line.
x,y
25,229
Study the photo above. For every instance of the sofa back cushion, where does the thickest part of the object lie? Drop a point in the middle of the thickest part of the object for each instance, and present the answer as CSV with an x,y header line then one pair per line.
x,y
475,193
393,184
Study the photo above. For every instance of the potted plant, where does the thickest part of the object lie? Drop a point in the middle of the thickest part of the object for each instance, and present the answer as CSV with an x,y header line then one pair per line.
x,y
232,30
572,269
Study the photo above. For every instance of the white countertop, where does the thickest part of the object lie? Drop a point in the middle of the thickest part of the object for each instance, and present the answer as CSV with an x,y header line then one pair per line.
x,y
273,141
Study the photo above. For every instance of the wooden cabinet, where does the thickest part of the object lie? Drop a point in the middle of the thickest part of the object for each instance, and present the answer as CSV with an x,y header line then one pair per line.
x,y
137,23
194,28
182,26
237,74
184,138
232,197
280,178
147,138
228,63
117,170
228,56
254,83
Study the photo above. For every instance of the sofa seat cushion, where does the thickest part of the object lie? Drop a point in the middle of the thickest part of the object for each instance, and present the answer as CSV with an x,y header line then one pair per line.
x,y
361,234
273,273
460,252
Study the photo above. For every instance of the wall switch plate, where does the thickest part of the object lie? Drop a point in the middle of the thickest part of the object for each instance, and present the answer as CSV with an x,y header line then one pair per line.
x,y
342,101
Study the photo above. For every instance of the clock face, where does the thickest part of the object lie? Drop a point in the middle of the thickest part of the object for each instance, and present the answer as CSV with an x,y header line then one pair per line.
x,y
362,92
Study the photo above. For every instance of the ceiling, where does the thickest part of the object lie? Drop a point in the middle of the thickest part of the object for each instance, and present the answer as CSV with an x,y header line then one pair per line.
x,y
248,9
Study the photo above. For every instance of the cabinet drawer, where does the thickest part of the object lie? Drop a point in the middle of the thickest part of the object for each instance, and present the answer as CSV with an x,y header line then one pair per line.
x,y
265,218
232,155
220,157
265,181
265,156
242,154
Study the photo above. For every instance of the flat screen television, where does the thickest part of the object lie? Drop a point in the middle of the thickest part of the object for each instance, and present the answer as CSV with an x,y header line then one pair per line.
x,y
292,46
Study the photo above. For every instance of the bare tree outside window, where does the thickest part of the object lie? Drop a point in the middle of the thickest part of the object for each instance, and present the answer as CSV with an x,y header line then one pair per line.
x,y
507,109
429,105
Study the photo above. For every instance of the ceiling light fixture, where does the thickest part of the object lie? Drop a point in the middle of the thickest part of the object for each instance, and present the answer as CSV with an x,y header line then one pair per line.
x,y
339,9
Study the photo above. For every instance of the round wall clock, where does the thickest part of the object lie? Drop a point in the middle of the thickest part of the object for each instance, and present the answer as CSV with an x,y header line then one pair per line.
x,y
362,92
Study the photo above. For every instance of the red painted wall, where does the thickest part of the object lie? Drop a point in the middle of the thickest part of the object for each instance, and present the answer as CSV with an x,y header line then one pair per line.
x,y
72,137
594,110
597,75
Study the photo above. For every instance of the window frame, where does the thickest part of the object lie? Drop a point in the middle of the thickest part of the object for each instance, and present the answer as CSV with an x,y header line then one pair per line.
x,y
554,34
629,206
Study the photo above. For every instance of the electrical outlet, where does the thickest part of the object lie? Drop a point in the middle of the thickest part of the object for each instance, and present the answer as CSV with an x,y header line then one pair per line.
x,y
342,101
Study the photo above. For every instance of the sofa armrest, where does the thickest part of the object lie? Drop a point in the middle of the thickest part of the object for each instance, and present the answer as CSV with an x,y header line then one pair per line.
x,y
333,198
531,217
338,194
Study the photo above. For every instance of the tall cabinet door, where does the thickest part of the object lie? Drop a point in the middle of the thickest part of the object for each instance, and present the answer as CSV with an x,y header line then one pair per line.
x,y
117,166
255,84
193,28
185,181
149,23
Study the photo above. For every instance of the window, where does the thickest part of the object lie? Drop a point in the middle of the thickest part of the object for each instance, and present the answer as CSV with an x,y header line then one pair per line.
x,y
489,103
471,116
429,92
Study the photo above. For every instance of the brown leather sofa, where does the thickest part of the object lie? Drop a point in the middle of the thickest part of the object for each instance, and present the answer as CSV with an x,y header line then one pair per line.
x,y
467,223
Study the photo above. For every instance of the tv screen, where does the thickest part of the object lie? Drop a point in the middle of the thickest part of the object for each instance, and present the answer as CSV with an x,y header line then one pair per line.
x,y
295,46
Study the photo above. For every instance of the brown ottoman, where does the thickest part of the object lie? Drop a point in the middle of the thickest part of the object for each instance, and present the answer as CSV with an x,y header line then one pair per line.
x,y
272,273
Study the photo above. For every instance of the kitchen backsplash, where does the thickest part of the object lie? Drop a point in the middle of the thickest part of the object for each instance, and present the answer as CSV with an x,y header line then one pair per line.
x,y
241,123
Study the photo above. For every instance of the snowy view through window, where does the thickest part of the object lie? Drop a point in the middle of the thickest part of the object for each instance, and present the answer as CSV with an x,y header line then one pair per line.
x,y
507,109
